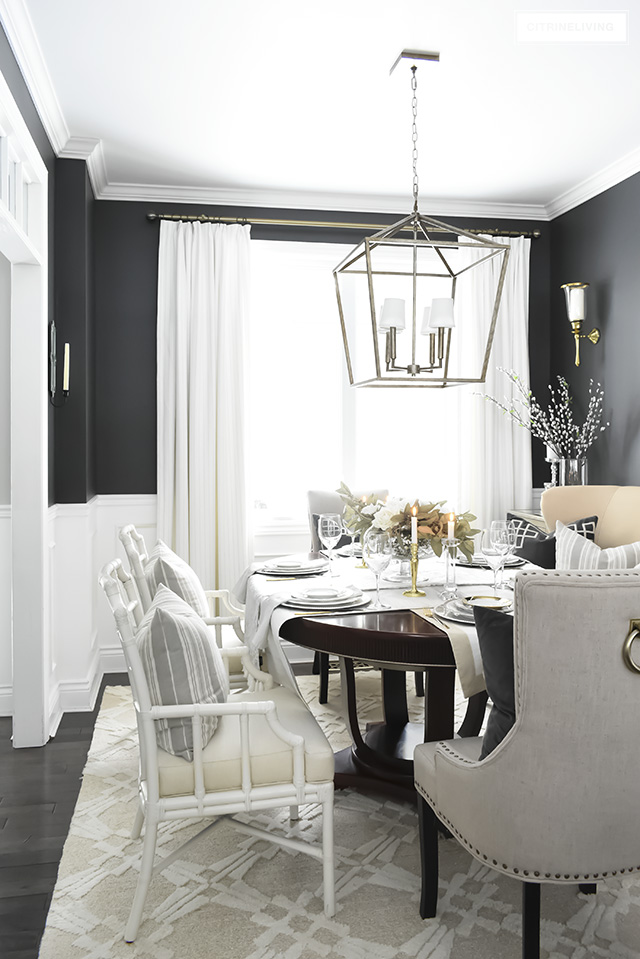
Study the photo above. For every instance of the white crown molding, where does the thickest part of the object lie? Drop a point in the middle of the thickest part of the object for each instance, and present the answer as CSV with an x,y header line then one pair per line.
x,y
21,35
616,172
299,200
90,150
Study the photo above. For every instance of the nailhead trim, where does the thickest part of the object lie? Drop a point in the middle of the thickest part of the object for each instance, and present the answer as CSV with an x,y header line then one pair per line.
x,y
515,869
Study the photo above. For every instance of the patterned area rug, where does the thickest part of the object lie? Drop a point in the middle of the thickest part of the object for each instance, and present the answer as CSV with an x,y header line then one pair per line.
x,y
234,897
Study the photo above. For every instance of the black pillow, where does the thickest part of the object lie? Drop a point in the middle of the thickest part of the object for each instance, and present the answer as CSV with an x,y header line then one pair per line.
x,y
538,547
495,636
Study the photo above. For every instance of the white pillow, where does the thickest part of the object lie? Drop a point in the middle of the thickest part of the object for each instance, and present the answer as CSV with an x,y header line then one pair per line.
x,y
166,567
573,551
182,665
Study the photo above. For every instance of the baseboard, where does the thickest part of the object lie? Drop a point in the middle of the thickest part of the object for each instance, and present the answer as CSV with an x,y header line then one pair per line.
x,y
55,709
112,660
6,700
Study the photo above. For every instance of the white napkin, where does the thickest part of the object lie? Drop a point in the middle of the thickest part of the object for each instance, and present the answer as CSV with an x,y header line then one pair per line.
x,y
466,653
240,589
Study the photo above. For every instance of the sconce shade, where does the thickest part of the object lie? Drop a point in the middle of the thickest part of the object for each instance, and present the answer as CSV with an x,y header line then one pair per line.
x,y
392,314
442,313
425,329
576,300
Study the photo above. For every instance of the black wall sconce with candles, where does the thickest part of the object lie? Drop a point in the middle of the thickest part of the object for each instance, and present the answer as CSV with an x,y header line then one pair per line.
x,y
53,368
576,299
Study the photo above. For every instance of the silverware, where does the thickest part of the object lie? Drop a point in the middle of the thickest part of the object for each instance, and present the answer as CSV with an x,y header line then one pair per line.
x,y
429,612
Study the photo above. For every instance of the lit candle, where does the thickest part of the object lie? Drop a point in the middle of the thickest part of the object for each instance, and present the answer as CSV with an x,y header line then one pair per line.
x,y
65,370
414,525
451,526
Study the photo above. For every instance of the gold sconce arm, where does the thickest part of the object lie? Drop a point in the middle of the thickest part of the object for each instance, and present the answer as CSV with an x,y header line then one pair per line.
x,y
594,336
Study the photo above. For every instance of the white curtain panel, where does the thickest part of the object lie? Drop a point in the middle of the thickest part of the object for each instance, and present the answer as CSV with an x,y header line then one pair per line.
x,y
203,292
495,471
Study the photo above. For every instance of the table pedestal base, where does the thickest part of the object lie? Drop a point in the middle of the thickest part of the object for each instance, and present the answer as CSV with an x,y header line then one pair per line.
x,y
381,758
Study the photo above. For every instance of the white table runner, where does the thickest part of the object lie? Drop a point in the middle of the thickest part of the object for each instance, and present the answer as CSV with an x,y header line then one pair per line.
x,y
264,615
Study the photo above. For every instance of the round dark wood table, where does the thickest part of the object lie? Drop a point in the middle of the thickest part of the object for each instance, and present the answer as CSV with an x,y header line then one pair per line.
x,y
381,757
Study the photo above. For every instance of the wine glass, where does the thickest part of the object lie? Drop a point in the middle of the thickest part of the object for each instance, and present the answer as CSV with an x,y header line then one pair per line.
x,y
377,552
329,533
493,553
500,538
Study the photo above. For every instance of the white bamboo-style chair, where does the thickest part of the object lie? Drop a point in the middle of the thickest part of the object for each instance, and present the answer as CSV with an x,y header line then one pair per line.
x,y
138,557
266,752
557,800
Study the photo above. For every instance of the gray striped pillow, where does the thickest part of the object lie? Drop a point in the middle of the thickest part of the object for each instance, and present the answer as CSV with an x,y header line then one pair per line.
x,y
182,665
166,567
573,551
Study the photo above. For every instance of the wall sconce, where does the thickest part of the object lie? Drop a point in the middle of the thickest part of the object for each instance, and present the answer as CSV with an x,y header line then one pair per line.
x,y
53,368
576,299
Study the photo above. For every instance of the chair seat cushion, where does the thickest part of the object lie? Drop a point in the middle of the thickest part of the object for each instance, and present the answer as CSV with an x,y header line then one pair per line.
x,y
539,547
166,567
182,665
575,552
271,761
495,638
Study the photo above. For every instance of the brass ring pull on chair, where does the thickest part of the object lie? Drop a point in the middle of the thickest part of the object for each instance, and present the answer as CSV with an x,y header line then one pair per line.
x,y
634,632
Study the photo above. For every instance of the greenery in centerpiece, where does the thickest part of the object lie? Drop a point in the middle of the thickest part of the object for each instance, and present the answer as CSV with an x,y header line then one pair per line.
x,y
394,515
555,426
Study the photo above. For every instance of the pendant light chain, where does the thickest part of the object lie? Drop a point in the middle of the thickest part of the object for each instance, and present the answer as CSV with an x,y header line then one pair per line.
x,y
414,137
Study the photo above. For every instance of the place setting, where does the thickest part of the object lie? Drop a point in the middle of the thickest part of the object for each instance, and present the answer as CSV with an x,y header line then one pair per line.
x,y
291,568
459,609
327,599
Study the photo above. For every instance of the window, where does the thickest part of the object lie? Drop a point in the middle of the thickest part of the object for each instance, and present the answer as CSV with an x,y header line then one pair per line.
x,y
308,429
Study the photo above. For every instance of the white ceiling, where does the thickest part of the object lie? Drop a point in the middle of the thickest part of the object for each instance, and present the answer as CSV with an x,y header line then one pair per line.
x,y
290,102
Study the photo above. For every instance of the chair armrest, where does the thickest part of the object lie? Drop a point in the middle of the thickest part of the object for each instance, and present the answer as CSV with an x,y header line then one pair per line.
x,y
267,708
264,679
225,597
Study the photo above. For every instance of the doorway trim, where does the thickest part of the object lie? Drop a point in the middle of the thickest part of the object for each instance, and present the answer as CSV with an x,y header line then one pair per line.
x,y
23,241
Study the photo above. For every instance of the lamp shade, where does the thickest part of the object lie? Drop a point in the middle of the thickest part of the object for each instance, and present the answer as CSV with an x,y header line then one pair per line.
x,y
392,314
576,299
442,313
425,329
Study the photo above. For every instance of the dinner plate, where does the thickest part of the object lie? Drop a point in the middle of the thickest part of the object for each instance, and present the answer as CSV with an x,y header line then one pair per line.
x,y
487,600
455,613
349,552
325,594
294,567
479,562
340,598
329,609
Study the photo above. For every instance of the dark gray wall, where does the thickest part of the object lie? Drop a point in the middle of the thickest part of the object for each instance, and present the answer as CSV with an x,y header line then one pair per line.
x,y
599,243
126,274
11,72
75,428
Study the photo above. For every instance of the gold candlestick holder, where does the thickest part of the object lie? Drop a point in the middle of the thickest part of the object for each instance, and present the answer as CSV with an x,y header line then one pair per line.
x,y
414,573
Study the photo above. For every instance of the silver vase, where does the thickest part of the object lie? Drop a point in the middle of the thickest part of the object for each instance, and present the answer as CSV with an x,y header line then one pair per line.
x,y
572,471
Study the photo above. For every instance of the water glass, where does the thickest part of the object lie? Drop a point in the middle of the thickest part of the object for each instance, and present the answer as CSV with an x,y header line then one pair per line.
x,y
329,533
377,551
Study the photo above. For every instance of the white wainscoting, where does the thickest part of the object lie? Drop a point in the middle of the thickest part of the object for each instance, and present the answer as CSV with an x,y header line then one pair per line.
x,y
82,538
6,672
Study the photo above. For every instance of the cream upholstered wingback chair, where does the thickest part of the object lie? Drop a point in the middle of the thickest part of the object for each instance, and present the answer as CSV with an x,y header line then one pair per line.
x,y
232,638
266,752
617,509
557,800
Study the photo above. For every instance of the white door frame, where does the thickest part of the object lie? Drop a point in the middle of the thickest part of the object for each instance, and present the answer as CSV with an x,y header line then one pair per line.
x,y
23,240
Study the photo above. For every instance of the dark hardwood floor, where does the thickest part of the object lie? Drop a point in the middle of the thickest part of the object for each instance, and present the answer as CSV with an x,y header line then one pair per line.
x,y
38,792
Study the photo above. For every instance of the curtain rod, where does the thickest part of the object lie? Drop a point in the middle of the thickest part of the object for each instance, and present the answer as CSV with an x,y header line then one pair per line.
x,y
327,224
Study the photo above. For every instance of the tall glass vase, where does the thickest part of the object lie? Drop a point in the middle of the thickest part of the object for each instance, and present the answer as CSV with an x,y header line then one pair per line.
x,y
572,471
